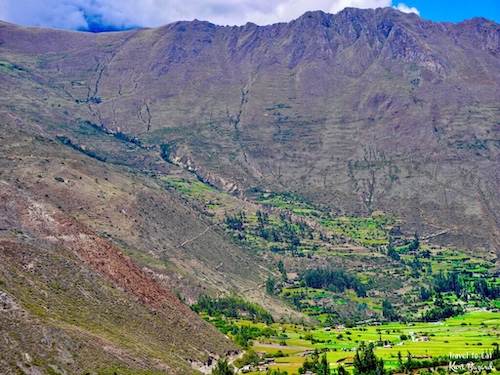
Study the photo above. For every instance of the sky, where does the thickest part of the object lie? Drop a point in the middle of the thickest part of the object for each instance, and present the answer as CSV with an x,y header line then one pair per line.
x,y
109,15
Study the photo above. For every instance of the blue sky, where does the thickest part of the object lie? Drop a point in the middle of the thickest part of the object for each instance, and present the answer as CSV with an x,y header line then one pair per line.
x,y
456,11
99,15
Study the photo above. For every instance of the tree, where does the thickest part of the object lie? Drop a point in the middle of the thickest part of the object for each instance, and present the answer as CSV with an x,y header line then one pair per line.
x,y
388,311
401,365
391,252
424,294
223,368
426,254
235,222
315,357
416,266
248,358
296,299
316,365
270,284
415,244
323,367
342,371
282,269
262,218
306,366
366,363
409,362
243,336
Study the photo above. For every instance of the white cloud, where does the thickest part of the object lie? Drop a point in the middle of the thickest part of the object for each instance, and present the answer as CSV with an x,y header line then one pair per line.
x,y
406,9
78,14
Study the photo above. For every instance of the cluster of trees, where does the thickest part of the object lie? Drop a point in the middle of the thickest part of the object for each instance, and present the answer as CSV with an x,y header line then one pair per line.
x,y
441,310
281,268
412,246
424,293
415,243
282,232
389,312
248,358
232,307
296,299
485,290
286,233
317,365
392,253
416,266
459,284
262,218
366,362
223,368
242,335
334,280
236,221
448,282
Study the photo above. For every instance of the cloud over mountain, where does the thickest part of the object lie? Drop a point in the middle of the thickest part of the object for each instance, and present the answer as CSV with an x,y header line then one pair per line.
x,y
104,15
406,9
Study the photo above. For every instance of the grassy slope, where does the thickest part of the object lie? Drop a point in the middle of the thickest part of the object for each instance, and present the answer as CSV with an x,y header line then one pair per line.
x,y
59,313
66,283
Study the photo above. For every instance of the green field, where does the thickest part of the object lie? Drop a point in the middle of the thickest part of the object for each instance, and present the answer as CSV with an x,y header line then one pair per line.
x,y
288,229
471,335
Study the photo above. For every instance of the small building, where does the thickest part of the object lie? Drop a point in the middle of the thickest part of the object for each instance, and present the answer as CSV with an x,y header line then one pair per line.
x,y
419,339
246,368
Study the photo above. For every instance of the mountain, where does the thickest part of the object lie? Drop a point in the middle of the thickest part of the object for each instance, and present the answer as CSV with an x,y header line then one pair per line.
x,y
357,113
360,111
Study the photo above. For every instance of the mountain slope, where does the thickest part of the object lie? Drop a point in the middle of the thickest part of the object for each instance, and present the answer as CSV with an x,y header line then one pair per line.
x,y
77,294
68,293
360,111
